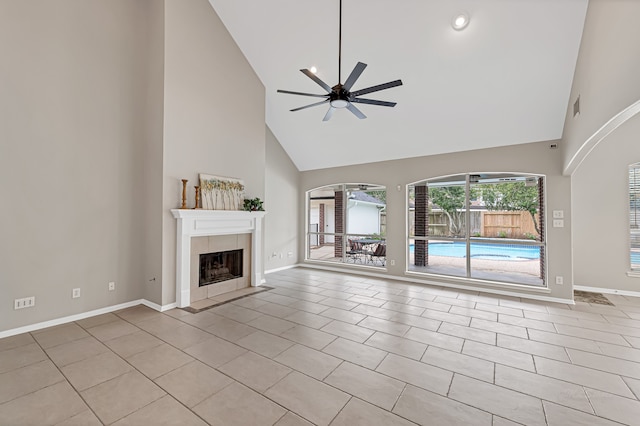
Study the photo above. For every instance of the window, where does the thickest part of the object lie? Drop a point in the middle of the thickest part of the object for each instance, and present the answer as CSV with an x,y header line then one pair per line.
x,y
634,215
482,226
347,224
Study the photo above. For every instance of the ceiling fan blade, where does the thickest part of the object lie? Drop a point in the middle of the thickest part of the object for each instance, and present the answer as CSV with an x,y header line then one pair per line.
x,y
310,105
351,107
355,74
315,78
373,102
329,113
377,88
301,93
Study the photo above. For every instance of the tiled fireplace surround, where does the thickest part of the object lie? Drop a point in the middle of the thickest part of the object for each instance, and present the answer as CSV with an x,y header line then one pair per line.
x,y
212,244
206,231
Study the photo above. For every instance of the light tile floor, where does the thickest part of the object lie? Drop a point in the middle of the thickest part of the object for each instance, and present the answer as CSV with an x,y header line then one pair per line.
x,y
328,348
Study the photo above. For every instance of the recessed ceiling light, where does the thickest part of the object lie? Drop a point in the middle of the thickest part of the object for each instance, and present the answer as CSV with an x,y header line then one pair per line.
x,y
460,21
313,70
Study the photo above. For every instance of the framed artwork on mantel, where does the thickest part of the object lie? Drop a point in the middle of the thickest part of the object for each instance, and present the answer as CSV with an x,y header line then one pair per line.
x,y
221,193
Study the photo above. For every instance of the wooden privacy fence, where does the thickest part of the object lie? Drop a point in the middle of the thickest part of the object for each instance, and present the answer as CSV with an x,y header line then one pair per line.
x,y
491,224
509,224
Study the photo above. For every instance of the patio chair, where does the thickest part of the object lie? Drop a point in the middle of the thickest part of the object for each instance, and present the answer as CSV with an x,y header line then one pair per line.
x,y
355,252
379,254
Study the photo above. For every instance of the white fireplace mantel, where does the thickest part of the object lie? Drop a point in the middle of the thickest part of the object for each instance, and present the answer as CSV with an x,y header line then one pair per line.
x,y
203,223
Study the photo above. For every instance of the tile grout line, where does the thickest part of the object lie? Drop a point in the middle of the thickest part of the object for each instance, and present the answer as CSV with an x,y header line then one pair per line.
x,y
65,376
406,302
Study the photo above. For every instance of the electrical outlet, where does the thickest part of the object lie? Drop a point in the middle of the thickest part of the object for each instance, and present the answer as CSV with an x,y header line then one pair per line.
x,y
75,293
392,262
559,280
112,286
25,302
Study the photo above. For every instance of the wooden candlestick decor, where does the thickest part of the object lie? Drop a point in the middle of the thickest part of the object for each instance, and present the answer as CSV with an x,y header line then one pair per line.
x,y
197,196
184,194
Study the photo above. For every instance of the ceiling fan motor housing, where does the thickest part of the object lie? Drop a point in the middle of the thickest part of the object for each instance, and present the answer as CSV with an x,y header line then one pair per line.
x,y
339,98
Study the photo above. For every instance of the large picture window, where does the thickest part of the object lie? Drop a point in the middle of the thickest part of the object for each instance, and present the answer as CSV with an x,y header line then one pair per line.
x,y
634,216
486,226
347,224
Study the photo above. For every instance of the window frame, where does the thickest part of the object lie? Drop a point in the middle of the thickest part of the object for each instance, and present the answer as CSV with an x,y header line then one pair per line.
x,y
634,215
468,239
339,237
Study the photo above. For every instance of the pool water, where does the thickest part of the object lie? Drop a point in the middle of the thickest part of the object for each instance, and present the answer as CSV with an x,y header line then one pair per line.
x,y
507,252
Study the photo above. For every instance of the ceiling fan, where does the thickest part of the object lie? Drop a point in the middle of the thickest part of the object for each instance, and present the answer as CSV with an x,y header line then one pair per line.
x,y
340,95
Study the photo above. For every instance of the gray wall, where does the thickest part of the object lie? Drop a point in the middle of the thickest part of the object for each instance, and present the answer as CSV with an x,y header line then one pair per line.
x,y
607,70
213,118
528,158
104,107
607,80
282,200
151,166
74,131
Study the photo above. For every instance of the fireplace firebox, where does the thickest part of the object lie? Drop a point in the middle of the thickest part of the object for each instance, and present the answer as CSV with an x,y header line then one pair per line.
x,y
220,266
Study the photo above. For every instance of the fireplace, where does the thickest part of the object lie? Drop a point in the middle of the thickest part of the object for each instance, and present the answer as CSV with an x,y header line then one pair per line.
x,y
220,266
226,225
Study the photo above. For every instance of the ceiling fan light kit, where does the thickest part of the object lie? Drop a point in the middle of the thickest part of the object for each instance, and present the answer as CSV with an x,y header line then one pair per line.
x,y
460,21
340,96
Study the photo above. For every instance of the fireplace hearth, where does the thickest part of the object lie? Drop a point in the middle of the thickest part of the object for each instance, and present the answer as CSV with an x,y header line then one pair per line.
x,y
220,266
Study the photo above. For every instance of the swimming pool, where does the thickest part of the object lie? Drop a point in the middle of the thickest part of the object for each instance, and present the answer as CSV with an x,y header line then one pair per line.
x,y
509,252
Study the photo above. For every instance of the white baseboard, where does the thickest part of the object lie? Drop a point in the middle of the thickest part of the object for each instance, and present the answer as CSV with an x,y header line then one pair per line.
x,y
606,290
433,282
83,315
284,268
159,308
491,290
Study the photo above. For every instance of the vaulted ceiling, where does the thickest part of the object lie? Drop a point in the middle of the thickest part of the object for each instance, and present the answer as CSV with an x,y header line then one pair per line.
x,y
503,80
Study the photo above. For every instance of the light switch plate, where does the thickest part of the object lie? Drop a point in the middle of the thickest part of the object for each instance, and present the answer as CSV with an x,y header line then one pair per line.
x,y
558,223
558,214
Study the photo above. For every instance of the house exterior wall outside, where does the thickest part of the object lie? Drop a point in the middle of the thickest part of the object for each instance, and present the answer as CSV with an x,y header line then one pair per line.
x,y
607,69
213,118
534,158
314,214
76,127
362,218
323,214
